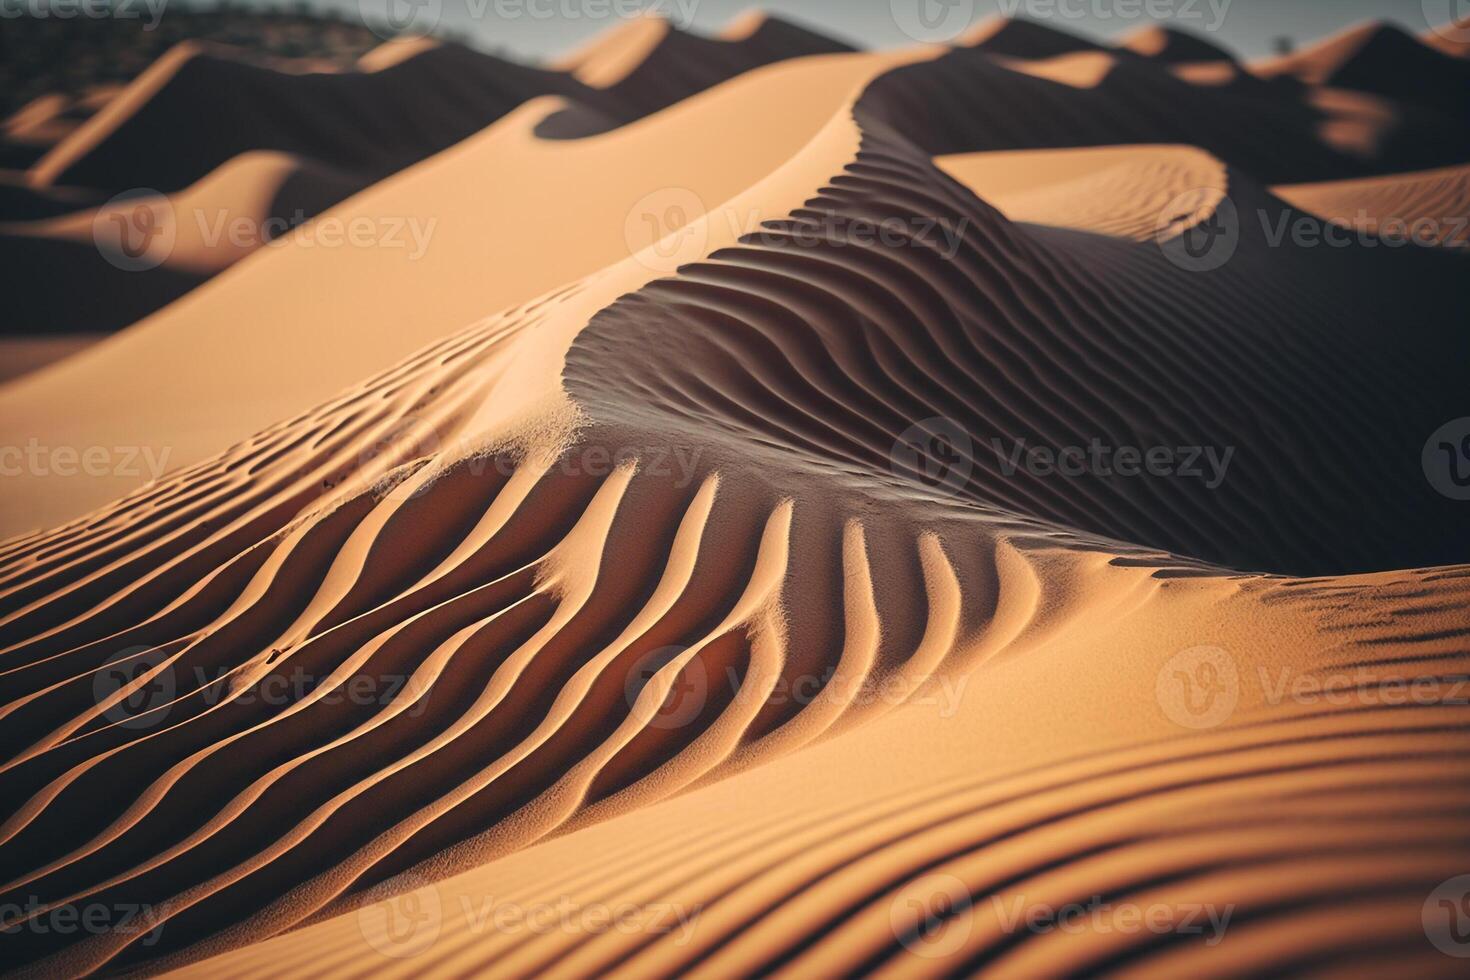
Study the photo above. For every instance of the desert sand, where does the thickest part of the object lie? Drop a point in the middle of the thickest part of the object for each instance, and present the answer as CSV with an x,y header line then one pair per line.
x,y
651,578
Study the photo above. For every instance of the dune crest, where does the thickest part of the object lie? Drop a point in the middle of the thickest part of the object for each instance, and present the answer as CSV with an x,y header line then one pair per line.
x,y
904,541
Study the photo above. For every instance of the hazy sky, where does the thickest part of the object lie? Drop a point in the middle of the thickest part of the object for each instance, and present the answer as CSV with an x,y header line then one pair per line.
x,y
535,29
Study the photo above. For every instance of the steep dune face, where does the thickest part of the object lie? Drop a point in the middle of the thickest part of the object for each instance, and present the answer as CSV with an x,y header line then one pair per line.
x,y
409,102
454,615
250,202
1427,208
368,122
1272,136
1384,60
349,312
1279,833
1174,46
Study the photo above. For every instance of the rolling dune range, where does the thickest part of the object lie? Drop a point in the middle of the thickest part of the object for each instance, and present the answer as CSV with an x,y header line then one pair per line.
x,y
703,580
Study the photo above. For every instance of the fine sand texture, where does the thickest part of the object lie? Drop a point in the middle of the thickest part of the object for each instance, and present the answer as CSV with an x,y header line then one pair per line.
x,y
670,549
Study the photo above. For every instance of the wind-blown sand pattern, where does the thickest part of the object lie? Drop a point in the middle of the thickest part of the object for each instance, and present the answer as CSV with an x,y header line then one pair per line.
x,y
698,581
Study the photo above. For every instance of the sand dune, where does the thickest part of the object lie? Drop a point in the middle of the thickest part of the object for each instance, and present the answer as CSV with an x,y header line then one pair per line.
x,y
246,204
1174,46
1125,192
1428,208
410,101
1251,126
351,311
698,582
1274,136
1382,59
726,437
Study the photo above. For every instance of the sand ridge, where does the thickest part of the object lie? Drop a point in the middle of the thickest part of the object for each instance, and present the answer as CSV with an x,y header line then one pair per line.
x,y
706,466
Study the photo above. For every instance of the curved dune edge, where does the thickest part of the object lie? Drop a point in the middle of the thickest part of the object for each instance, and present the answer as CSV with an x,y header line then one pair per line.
x,y
245,192
613,54
1426,208
330,307
1133,192
1296,833
502,523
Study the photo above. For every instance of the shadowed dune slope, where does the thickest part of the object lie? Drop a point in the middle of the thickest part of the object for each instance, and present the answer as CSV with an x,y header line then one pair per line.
x,y
446,616
370,122
1174,46
349,312
250,201
1053,338
1253,127
1427,208
1385,60
1304,836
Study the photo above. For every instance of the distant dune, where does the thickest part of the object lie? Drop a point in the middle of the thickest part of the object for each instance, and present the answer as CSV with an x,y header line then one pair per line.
x,y
948,511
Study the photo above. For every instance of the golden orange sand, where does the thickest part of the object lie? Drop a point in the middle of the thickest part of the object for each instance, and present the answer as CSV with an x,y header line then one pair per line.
x,y
630,484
